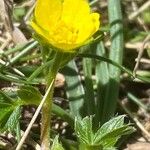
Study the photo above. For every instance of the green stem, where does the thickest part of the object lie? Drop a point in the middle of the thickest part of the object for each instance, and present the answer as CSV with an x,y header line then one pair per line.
x,y
47,107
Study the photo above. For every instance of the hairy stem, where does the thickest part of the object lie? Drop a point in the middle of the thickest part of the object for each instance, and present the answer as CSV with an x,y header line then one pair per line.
x,y
47,107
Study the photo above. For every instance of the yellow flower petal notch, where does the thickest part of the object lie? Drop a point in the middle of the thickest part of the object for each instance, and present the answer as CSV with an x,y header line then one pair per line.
x,y
65,24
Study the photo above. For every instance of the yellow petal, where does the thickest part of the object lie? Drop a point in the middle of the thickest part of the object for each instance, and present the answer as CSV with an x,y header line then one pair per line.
x,y
88,27
65,24
74,10
39,30
48,12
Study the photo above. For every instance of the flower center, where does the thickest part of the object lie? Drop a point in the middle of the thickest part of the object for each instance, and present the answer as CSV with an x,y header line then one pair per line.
x,y
63,33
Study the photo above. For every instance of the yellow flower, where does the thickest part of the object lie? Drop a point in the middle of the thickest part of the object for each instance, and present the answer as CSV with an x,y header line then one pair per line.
x,y
65,24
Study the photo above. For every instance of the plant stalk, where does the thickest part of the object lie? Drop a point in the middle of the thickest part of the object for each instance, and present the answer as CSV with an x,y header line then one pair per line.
x,y
47,107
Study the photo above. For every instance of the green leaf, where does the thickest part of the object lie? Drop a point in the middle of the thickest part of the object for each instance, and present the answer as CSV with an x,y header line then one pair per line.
x,y
13,120
56,145
6,107
9,113
115,54
3,113
111,131
83,129
129,72
102,79
88,88
29,95
105,137
114,123
5,99
74,90
112,137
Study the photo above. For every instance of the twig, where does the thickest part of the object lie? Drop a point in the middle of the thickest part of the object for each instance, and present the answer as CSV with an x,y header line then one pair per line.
x,y
18,72
29,13
141,127
144,60
141,50
141,9
34,117
139,19
26,4
130,45
29,141
14,69
93,2
136,45
138,123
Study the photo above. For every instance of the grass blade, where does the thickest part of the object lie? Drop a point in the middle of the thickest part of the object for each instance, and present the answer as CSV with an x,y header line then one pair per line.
x,y
89,91
74,90
102,79
116,53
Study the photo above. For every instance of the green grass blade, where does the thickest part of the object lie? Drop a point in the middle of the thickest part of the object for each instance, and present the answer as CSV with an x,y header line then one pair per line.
x,y
15,80
74,90
89,91
39,70
100,58
15,49
137,101
116,54
122,68
102,79
23,52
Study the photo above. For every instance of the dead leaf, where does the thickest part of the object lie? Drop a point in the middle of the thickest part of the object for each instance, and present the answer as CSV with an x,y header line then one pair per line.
x,y
6,8
18,37
138,146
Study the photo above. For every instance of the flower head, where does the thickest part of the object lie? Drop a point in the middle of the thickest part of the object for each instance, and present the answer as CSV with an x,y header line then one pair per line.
x,y
65,24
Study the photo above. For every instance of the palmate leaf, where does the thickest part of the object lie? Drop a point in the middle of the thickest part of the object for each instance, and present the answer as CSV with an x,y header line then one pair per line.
x,y
111,138
83,129
112,130
85,134
5,98
10,108
9,113
26,95
105,137
112,124
4,114
29,95
12,120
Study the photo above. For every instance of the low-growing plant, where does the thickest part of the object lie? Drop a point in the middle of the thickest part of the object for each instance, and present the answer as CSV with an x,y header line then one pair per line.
x,y
67,29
